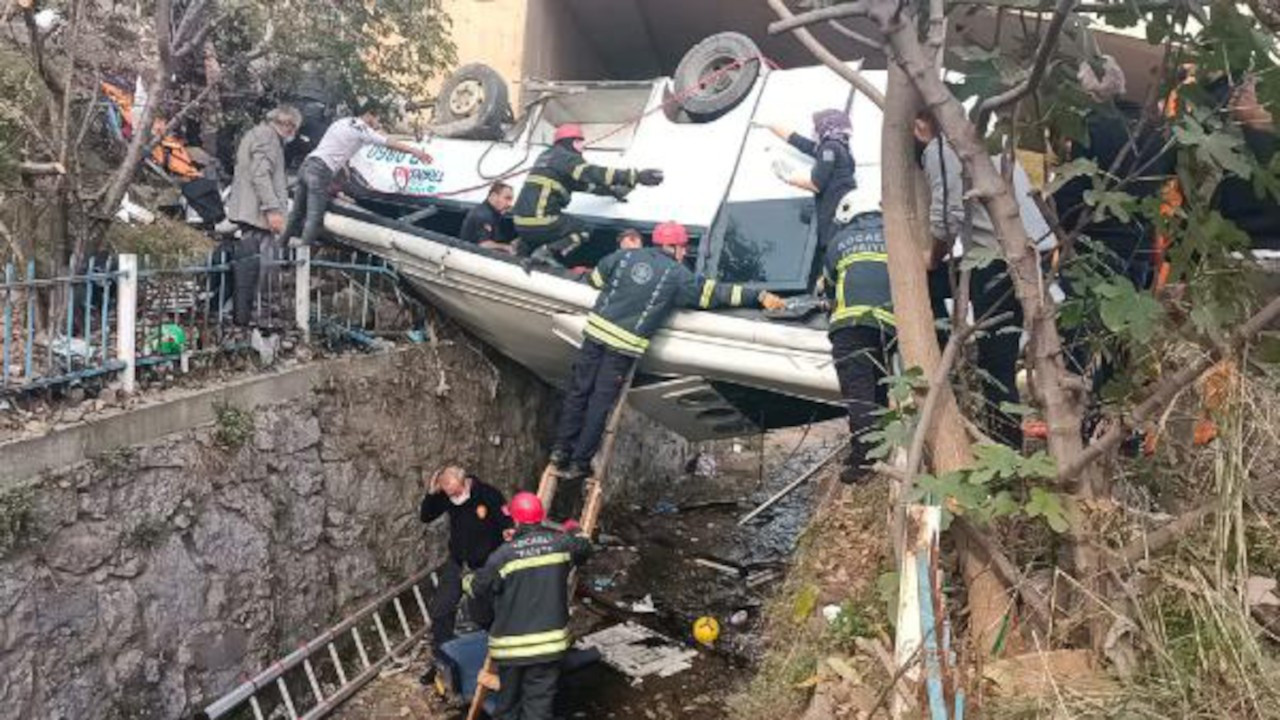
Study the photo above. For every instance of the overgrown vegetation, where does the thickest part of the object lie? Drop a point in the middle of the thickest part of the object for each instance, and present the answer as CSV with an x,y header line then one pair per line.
x,y
837,561
15,517
233,427
1150,357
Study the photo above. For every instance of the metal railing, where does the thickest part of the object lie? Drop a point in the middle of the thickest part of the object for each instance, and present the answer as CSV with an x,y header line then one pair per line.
x,y
109,321
37,347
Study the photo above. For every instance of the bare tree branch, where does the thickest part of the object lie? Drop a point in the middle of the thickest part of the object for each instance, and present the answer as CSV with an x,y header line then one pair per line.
x,y
201,35
192,13
1167,389
1007,571
41,168
1048,45
854,35
820,51
857,8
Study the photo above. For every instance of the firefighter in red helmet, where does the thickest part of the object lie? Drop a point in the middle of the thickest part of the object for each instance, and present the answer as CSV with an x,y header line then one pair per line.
x,y
639,289
527,580
547,234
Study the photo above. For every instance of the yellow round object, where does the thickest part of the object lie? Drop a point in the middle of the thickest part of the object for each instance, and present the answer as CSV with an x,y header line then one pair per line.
x,y
706,629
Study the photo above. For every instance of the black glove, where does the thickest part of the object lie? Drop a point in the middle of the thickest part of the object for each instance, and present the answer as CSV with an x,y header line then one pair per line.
x,y
649,177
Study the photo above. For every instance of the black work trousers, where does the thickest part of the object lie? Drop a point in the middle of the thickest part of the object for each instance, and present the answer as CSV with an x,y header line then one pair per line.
x,y
310,201
527,692
248,270
598,376
991,292
860,356
561,237
444,605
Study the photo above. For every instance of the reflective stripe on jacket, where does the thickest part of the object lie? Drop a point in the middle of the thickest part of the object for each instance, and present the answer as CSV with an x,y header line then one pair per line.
x,y
640,288
856,272
527,581
555,176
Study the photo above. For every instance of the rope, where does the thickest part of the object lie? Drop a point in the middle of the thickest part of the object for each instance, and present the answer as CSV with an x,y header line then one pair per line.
x,y
676,98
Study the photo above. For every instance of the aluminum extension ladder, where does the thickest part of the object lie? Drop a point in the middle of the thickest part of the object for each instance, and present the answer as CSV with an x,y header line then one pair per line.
x,y
594,491
314,679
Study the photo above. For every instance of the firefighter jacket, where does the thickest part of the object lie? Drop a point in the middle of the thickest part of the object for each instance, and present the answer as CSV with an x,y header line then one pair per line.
x,y
855,272
555,176
527,580
640,288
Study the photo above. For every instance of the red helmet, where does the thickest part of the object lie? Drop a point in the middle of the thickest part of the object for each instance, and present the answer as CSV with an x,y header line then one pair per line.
x,y
569,131
670,233
525,508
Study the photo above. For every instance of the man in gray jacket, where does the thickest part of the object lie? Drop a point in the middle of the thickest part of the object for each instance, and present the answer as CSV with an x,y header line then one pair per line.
x,y
258,201
991,292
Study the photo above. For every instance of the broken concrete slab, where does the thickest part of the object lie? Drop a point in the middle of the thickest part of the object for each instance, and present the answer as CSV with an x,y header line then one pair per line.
x,y
639,652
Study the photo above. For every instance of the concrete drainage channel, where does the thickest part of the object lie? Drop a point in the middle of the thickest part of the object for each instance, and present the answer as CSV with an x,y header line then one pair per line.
x,y
672,554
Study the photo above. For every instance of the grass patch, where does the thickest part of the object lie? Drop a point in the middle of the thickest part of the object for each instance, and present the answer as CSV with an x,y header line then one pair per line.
x,y
838,559
233,426
15,517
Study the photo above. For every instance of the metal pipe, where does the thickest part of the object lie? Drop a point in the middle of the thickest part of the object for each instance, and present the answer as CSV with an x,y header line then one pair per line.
x,y
224,705
791,486
8,322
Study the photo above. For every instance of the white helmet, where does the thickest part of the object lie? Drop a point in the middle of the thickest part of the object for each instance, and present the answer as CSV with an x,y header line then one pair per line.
x,y
855,202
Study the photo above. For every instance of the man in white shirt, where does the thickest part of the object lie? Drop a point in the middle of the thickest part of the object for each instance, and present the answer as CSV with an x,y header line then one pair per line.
x,y
340,143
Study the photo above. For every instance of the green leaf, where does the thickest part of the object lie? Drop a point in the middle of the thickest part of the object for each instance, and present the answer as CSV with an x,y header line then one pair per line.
x,y
1110,203
1003,504
806,601
999,461
887,590
978,257
1065,173
1047,505
1009,408
1219,148
1040,465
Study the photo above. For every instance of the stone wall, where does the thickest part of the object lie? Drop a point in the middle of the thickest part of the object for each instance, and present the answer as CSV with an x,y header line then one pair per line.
x,y
145,582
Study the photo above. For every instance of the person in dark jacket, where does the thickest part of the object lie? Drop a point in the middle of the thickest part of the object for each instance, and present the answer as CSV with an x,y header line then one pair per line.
x,y
527,582
476,529
855,275
639,289
991,290
833,172
483,224
547,234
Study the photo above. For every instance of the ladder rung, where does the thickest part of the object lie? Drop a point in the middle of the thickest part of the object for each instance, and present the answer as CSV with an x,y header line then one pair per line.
x,y
382,631
404,621
288,701
364,656
311,676
337,663
422,605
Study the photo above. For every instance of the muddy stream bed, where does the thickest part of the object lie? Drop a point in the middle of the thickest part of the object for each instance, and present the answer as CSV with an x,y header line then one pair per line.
x,y
673,554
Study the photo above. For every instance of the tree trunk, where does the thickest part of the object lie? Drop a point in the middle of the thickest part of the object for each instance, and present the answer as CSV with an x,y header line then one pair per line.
x,y
1059,393
905,211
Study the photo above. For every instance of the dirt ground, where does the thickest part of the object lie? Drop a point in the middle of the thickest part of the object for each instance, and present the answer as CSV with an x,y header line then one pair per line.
x,y
682,546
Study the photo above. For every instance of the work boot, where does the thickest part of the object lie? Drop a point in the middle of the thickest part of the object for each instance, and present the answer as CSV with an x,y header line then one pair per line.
x,y
853,472
575,471
559,458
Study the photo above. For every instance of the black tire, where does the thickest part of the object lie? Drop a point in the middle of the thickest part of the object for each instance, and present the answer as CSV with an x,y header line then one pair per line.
x,y
473,104
724,92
